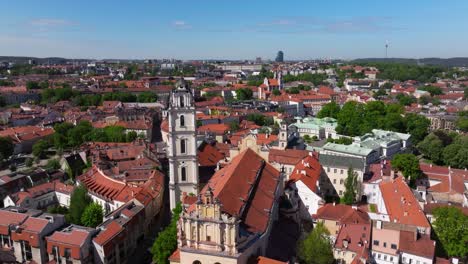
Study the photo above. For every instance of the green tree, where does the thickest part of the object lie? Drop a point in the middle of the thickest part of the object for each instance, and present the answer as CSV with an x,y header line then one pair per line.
x,y
450,228
329,110
60,137
147,97
417,126
53,164
2,101
77,135
350,119
462,121
6,148
39,149
405,99
433,90
29,162
234,126
92,215
408,164
276,92
349,196
456,154
78,202
31,85
431,147
166,241
316,247
58,210
244,94
131,136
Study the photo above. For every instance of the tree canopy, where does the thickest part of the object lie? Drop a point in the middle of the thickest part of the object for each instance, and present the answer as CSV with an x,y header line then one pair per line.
x,y
450,228
6,148
331,109
78,202
351,185
408,164
244,94
166,241
68,136
92,215
316,248
356,119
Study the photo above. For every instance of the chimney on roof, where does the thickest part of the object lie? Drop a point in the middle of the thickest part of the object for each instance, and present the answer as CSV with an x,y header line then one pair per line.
x,y
430,165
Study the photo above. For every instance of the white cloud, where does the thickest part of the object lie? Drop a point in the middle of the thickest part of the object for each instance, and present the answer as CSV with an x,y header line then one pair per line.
x,y
180,24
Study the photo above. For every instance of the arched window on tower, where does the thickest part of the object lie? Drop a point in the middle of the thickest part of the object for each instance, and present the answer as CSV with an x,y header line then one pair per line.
x,y
181,101
183,174
182,120
183,143
196,262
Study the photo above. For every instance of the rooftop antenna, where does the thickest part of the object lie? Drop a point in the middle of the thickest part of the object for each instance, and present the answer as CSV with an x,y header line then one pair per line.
x,y
386,49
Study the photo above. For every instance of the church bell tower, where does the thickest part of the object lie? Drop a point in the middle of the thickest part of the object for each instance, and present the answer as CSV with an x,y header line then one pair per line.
x,y
182,145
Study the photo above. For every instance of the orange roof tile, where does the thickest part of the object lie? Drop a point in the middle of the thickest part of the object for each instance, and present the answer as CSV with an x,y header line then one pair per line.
x,y
402,207
229,186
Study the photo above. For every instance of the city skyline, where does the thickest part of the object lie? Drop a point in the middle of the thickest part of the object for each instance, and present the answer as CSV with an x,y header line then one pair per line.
x,y
209,30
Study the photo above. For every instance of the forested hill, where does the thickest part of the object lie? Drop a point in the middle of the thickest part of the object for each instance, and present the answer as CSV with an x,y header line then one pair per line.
x,y
450,62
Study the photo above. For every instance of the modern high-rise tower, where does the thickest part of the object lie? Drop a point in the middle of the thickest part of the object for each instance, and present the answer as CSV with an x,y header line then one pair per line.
x,y
182,144
279,56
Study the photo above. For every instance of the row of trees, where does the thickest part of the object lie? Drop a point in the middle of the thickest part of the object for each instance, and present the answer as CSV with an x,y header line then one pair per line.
x,y
166,241
405,72
355,119
442,148
69,136
315,78
66,93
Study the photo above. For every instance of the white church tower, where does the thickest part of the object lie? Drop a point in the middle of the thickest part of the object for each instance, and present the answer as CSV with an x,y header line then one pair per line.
x,y
182,144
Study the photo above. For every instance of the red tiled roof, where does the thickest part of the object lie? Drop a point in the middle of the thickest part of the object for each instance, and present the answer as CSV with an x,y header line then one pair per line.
x,y
112,230
208,155
422,246
8,218
450,181
357,237
402,207
218,129
308,171
25,133
76,237
175,256
265,260
238,198
342,213
287,156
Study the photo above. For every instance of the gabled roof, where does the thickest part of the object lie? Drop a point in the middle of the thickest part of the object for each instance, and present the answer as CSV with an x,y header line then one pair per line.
x,y
208,155
355,238
342,213
402,207
307,171
287,156
246,188
420,246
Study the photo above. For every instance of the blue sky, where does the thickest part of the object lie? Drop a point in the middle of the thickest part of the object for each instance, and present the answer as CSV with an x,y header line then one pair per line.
x,y
197,29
